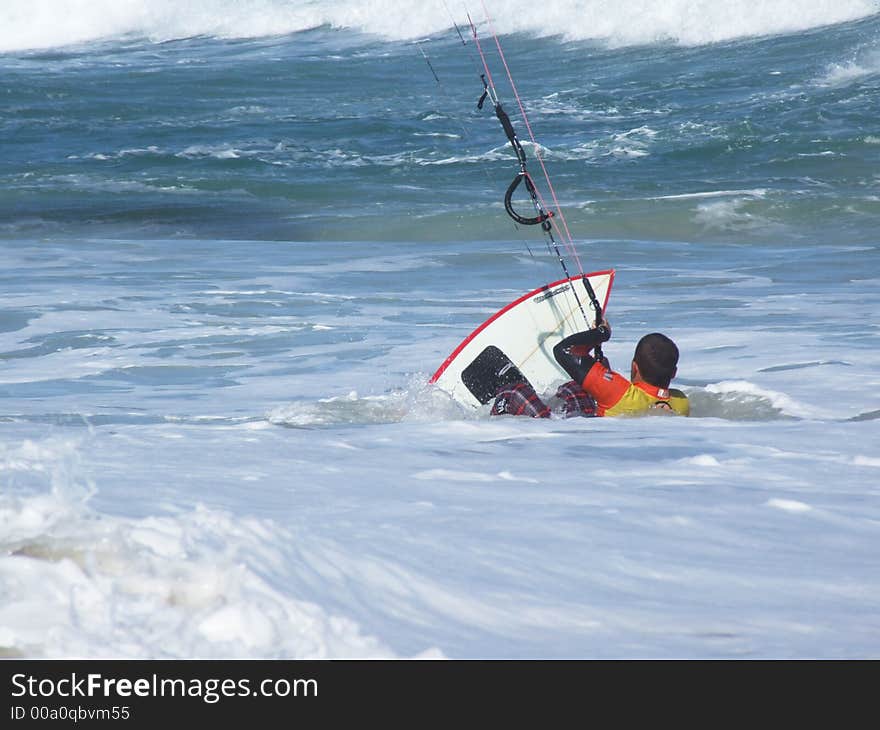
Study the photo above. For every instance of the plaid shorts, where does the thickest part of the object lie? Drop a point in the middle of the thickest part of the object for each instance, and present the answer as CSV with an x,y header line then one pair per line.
x,y
575,401
520,399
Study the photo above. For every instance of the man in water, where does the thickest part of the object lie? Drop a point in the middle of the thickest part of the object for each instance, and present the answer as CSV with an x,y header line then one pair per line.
x,y
595,389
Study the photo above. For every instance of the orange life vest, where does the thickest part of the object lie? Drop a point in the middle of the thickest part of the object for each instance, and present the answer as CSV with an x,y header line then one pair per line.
x,y
617,396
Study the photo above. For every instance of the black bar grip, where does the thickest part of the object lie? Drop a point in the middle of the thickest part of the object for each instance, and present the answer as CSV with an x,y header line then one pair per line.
x,y
511,135
506,124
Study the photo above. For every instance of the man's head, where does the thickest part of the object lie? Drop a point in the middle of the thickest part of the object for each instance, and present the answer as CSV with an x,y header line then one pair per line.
x,y
655,360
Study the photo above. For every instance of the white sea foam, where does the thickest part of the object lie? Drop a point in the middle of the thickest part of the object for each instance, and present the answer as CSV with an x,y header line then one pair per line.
x,y
741,389
788,505
755,193
729,215
26,24
339,409
419,402
841,74
220,152
385,519
78,583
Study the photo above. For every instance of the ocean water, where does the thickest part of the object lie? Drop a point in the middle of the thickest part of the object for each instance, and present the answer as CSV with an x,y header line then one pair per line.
x,y
237,240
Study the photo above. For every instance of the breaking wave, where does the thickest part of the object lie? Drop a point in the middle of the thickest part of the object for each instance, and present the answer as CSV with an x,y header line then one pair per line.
x,y
31,24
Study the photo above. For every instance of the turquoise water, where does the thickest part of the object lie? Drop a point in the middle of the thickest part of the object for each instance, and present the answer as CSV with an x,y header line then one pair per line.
x,y
331,135
236,243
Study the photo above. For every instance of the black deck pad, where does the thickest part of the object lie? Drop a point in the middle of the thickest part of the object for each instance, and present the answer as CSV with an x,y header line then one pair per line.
x,y
490,370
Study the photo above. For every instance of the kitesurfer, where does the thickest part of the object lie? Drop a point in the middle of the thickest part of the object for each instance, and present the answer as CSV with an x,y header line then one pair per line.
x,y
595,389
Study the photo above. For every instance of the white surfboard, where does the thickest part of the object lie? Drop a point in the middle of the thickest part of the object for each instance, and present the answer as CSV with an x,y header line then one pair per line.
x,y
523,333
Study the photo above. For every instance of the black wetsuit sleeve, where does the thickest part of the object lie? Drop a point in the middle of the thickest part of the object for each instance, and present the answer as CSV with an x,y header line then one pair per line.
x,y
578,366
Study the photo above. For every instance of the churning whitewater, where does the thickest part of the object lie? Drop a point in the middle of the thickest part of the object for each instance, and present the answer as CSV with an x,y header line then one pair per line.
x,y
238,239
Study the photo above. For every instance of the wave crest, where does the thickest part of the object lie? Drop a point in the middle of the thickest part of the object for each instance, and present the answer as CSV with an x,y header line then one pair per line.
x,y
32,24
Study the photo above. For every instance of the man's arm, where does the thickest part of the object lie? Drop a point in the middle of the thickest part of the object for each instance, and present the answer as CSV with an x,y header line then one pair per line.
x,y
577,366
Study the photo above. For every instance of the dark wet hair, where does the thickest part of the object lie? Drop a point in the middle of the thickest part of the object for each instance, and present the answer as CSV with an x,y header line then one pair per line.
x,y
657,357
